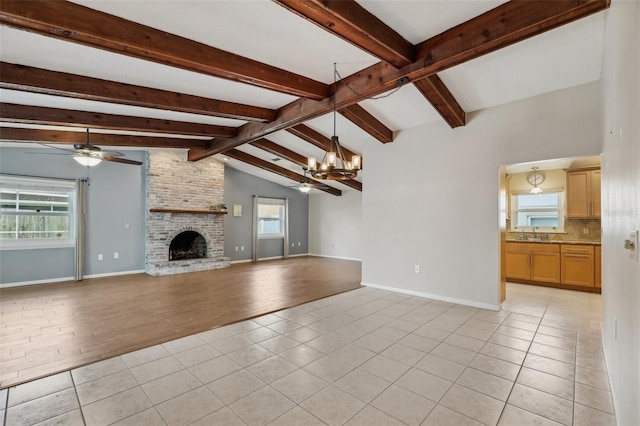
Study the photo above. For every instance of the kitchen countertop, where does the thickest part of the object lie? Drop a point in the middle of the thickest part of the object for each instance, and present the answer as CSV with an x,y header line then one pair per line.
x,y
589,243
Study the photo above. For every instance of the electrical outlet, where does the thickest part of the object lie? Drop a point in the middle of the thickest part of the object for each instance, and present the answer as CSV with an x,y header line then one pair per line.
x,y
116,255
585,231
100,256
298,243
293,244
236,248
127,226
416,269
241,248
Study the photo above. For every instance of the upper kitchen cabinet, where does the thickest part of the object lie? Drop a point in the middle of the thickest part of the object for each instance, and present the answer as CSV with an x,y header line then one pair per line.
x,y
583,193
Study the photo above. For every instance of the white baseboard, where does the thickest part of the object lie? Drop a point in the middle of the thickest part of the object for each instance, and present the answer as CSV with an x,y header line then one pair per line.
x,y
334,257
115,274
614,389
36,282
269,258
435,297
58,280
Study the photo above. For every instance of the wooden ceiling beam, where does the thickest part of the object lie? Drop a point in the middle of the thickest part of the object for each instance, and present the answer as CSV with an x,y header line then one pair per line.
x,y
435,91
280,151
350,21
37,80
27,114
317,139
367,122
14,134
503,26
296,158
265,165
356,25
78,24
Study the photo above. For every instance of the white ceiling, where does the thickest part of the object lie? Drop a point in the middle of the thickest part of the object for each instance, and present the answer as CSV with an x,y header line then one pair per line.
x,y
264,31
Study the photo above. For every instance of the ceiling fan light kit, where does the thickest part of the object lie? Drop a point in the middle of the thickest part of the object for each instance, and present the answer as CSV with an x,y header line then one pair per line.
x,y
87,160
304,187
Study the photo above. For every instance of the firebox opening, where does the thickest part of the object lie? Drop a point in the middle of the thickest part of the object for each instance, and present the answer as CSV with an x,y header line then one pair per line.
x,y
187,245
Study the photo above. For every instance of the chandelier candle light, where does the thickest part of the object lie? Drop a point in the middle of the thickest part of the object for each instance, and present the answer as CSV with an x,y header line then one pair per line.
x,y
334,164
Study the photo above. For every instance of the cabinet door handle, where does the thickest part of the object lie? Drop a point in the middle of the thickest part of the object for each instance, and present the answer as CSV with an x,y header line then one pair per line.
x,y
576,251
584,256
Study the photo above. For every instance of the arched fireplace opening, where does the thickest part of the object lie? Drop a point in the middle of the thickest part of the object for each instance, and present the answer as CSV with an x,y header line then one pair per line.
x,y
187,245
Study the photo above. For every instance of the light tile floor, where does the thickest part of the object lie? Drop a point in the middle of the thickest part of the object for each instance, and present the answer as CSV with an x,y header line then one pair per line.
x,y
366,357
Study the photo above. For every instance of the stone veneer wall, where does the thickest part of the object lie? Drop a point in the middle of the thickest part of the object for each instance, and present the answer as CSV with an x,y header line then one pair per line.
x,y
175,183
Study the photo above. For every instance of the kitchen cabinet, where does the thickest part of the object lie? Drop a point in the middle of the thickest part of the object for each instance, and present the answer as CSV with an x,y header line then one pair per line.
x,y
531,261
567,265
577,265
583,193
598,267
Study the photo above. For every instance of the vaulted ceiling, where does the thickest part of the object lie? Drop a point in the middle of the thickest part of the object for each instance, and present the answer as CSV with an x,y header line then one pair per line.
x,y
252,81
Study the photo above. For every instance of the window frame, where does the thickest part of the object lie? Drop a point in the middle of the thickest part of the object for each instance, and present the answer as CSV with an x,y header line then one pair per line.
x,y
282,218
25,185
514,227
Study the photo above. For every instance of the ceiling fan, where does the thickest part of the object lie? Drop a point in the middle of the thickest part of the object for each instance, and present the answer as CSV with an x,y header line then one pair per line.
x,y
90,155
306,184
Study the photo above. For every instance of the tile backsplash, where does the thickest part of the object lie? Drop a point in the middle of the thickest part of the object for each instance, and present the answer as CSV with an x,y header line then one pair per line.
x,y
574,231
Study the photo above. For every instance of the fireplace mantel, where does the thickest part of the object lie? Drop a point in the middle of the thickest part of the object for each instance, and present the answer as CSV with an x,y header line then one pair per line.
x,y
180,211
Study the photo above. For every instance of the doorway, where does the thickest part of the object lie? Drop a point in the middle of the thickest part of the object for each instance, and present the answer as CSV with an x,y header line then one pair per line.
x,y
550,224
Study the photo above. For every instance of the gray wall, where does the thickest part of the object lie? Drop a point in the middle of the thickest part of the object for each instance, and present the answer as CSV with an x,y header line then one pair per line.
x,y
239,188
115,198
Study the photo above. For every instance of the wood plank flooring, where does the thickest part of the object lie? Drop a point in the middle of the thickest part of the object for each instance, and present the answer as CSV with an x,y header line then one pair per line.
x,y
45,329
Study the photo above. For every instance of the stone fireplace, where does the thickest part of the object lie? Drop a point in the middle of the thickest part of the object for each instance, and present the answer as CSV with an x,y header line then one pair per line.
x,y
183,232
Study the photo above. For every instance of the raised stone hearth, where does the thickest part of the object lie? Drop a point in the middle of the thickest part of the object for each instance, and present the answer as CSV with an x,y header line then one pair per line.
x,y
175,183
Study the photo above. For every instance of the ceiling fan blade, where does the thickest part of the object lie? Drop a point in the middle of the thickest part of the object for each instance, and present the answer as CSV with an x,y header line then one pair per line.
x,y
50,153
111,154
68,151
121,160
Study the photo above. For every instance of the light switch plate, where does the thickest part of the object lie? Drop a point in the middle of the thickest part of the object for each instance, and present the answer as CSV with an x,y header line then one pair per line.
x,y
632,245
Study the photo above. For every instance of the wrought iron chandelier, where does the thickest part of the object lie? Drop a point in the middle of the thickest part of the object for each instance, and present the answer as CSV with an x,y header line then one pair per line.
x,y
334,165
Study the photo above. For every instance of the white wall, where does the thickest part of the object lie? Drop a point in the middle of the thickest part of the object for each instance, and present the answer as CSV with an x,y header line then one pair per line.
x,y
621,206
434,202
335,225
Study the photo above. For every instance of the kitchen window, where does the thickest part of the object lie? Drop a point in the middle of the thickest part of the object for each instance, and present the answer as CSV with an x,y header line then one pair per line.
x,y
36,213
271,218
542,212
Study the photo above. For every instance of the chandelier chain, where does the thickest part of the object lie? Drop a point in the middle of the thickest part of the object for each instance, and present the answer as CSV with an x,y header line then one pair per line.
x,y
355,92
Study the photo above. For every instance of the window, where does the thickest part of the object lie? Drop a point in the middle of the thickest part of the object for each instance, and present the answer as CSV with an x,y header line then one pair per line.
x,y
36,213
271,215
542,211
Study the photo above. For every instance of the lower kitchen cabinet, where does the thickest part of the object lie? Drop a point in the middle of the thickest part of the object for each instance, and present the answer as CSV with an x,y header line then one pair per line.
x,y
578,266
566,265
531,261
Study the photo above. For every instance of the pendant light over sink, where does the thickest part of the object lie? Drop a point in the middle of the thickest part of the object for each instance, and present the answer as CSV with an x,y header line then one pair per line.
x,y
535,178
